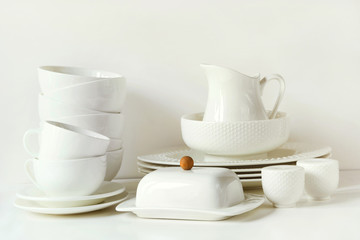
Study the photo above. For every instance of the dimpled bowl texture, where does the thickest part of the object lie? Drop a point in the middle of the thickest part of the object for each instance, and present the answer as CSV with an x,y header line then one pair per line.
x,y
321,177
234,138
283,185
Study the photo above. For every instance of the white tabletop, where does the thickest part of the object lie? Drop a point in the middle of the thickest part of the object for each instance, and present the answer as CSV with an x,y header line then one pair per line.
x,y
338,218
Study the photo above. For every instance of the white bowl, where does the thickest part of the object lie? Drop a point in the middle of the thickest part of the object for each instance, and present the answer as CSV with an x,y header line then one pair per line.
x,y
234,138
67,178
51,109
107,95
113,159
108,124
52,78
115,144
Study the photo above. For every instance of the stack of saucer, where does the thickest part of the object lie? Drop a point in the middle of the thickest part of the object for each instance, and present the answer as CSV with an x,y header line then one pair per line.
x,y
90,99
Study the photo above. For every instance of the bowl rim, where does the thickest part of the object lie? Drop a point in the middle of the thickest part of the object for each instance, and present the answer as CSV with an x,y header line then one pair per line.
x,y
195,117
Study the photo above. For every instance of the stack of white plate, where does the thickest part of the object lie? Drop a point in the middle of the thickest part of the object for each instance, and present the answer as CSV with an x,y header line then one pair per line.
x,y
86,98
248,170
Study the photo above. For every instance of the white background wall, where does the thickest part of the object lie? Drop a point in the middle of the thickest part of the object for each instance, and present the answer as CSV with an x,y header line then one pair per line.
x,y
158,45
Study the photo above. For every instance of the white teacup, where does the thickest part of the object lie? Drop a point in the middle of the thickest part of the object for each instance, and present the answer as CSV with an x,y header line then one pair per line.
x,y
115,144
107,95
283,185
52,78
108,124
321,177
113,159
51,109
64,178
63,141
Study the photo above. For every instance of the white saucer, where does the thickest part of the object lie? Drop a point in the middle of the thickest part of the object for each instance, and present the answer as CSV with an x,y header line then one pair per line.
x,y
289,152
251,202
37,208
107,189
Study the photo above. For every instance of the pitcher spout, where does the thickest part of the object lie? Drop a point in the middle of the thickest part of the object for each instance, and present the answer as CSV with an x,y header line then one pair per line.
x,y
212,71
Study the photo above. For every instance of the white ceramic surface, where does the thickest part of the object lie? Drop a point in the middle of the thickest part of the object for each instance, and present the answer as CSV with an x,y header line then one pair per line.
x,y
289,152
33,206
51,109
63,141
115,144
233,96
106,95
108,124
114,160
283,185
52,78
107,189
237,170
242,138
321,177
67,178
250,202
198,188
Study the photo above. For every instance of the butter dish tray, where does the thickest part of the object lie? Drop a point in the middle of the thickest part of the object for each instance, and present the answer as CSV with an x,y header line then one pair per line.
x,y
251,202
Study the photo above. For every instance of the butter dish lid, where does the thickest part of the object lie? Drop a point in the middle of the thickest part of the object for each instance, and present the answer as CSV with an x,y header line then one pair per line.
x,y
194,188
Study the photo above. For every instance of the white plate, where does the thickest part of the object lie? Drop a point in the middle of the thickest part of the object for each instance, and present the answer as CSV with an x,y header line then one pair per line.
x,y
107,189
289,152
37,208
245,181
251,202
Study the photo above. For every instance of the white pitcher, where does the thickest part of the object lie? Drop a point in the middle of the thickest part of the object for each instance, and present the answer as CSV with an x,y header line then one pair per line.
x,y
234,96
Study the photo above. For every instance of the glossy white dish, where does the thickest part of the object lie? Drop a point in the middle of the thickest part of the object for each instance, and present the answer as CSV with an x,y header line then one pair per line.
x,y
246,183
107,95
52,78
113,163
108,124
240,175
152,166
289,152
107,189
251,202
33,206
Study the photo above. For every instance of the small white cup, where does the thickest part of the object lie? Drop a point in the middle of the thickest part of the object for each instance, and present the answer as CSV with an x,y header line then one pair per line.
x,y
283,185
64,178
64,141
321,177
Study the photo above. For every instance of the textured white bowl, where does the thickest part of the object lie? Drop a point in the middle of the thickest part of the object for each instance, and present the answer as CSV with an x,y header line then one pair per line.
x,y
113,160
106,95
108,124
234,138
52,78
115,144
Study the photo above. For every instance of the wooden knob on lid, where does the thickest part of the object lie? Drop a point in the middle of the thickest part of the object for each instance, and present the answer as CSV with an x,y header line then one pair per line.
x,y
186,163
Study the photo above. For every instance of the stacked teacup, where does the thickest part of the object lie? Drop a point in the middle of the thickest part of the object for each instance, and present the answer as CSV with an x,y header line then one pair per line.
x,y
89,99
71,161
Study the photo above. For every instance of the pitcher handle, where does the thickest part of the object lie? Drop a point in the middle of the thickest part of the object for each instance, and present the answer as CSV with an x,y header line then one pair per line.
x,y
25,141
281,81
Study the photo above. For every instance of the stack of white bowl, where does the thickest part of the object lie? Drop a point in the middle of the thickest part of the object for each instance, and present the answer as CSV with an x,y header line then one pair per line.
x,y
87,98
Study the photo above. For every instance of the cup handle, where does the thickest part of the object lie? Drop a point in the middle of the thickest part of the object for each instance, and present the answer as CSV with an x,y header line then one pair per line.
x,y
29,170
27,134
281,91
